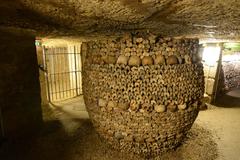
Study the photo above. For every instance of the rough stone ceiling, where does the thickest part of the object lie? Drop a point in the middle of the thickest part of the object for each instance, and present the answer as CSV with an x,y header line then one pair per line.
x,y
201,18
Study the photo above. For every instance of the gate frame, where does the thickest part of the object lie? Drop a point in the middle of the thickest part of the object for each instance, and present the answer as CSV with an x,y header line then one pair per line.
x,y
76,70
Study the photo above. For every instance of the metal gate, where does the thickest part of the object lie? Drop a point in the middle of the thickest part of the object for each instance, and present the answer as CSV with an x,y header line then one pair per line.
x,y
63,72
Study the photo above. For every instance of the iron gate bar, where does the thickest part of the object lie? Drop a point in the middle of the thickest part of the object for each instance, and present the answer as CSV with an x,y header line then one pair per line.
x,y
72,81
50,70
75,59
46,73
63,77
63,69
57,76
66,83
59,68
64,74
53,77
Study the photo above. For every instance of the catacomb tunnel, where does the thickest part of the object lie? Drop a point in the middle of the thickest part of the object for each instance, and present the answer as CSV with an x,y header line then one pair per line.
x,y
119,80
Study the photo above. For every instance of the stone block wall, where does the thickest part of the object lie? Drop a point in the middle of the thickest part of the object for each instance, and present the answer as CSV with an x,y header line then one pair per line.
x,y
143,92
19,84
210,76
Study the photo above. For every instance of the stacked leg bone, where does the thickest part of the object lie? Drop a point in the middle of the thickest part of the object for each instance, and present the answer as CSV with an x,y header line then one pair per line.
x,y
142,91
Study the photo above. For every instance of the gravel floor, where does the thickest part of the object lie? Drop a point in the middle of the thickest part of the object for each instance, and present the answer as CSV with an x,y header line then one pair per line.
x,y
66,138
214,136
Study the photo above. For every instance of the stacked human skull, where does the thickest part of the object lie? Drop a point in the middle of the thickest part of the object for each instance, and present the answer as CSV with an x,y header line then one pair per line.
x,y
142,92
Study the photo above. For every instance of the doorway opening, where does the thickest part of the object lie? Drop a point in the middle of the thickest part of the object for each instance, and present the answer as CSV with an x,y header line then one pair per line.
x,y
60,64
231,67
63,72
229,79
221,62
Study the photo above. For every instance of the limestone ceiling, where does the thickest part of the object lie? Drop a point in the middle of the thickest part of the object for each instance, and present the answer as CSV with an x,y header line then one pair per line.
x,y
201,18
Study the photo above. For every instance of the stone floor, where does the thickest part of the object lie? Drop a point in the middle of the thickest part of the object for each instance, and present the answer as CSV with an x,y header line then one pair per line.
x,y
73,107
68,134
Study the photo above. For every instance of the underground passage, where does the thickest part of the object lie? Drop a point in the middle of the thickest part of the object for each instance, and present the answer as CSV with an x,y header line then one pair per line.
x,y
119,80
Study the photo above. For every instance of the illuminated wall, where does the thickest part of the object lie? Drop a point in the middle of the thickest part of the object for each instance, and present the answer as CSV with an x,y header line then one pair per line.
x,y
63,78
210,58
221,68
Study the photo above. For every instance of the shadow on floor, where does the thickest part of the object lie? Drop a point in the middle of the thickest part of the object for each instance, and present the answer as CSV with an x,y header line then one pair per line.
x,y
51,143
229,100
65,137
54,143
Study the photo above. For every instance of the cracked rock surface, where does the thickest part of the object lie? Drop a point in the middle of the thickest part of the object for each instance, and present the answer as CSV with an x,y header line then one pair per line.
x,y
204,18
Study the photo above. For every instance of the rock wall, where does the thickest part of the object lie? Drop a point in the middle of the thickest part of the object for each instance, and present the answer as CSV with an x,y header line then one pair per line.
x,y
52,18
19,84
142,91
42,80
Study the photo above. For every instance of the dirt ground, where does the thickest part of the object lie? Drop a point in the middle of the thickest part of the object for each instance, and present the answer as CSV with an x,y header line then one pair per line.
x,y
68,134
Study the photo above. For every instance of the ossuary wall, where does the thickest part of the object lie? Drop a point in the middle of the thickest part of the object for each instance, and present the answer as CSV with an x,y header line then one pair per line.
x,y
142,91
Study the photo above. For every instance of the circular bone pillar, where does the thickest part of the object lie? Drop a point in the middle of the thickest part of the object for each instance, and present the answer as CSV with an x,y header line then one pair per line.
x,y
143,109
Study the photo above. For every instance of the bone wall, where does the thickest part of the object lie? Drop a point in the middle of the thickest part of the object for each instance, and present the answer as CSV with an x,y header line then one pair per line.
x,y
143,92
231,71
